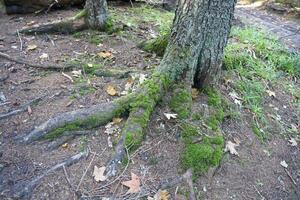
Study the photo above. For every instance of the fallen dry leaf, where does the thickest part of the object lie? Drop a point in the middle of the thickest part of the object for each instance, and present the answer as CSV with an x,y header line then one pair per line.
x,y
76,73
195,93
99,174
116,120
293,142
284,164
271,93
162,195
105,54
44,56
142,78
31,47
170,116
133,184
230,146
68,77
29,110
109,142
111,90
65,145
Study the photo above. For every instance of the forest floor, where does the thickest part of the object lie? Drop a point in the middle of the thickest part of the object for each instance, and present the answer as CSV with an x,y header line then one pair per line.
x,y
260,89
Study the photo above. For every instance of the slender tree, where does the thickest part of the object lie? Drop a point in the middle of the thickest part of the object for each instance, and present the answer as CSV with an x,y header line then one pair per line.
x,y
193,57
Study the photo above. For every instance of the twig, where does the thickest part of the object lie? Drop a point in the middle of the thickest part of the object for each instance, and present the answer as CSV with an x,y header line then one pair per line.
x,y
25,62
86,170
21,42
263,198
22,108
67,178
24,191
290,176
127,164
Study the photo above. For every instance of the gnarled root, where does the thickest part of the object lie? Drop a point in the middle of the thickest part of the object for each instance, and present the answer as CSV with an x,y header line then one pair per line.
x,y
91,117
68,25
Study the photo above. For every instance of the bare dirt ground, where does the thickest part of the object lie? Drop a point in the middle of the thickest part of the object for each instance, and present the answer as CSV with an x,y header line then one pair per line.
x,y
285,28
255,174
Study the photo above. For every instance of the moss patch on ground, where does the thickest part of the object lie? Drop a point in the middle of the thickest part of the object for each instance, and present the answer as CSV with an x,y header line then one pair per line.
x,y
200,156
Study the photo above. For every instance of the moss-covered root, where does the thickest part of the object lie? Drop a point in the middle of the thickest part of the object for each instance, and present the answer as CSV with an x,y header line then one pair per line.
x,y
68,25
141,109
157,45
75,120
181,101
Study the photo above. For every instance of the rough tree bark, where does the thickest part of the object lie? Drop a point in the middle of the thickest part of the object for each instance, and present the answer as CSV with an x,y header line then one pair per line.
x,y
193,57
97,13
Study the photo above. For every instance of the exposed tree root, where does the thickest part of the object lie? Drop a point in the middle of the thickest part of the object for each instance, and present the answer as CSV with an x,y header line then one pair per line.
x,y
30,64
85,118
25,191
68,25
23,108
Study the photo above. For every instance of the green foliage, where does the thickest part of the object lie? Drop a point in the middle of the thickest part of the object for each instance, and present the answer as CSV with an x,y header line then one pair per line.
x,y
181,102
157,45
254,54
200,157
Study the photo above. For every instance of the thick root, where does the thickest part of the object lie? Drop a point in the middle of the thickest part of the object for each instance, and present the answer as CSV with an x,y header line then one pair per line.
x,y
75,120
140,112
25,191
62,26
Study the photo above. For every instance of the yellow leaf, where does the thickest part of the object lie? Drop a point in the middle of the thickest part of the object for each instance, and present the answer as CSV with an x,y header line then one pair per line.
x,y
31,47
111,90
116,120
271,93
195,93
65,145
105,54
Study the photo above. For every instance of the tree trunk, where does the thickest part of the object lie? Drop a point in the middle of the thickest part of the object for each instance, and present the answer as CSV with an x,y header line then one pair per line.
x,y
199,35
97,14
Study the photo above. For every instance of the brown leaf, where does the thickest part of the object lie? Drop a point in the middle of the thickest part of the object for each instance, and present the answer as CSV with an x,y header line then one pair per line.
x,y
111,90
65,145
271,93
31,47
116,120
99,173
230,146
195,93
105,54
133,184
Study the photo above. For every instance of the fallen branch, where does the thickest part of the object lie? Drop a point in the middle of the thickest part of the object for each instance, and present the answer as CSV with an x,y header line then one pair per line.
x,y
25,191
30,64
23,108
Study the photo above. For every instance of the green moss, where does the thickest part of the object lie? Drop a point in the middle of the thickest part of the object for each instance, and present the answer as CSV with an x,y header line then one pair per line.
x,y
141,109
200,157
92,69
157,45
214,98
262,136
96,39
181,102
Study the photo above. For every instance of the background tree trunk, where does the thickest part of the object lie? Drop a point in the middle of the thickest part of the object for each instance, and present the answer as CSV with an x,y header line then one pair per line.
x,y
97,13
199,34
